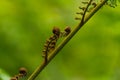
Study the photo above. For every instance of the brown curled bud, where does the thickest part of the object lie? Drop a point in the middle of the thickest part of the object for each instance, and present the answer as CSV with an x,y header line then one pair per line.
x,y
13,78
94,4
67,30
53,43
56,31
23,71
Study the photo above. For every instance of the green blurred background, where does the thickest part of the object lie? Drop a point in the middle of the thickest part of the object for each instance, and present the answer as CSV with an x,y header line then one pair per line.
x,y
92,54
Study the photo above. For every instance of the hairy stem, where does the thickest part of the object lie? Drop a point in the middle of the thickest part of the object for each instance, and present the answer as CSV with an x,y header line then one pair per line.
x,y
65,41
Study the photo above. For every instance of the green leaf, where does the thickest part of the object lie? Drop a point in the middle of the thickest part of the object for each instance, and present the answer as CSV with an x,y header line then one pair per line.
x,y
4,75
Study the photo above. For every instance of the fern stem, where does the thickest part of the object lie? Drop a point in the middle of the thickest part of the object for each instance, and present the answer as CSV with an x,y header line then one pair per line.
x,y
65,41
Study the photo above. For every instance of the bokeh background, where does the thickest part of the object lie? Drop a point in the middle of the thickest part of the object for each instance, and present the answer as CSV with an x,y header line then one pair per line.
x,y
92,54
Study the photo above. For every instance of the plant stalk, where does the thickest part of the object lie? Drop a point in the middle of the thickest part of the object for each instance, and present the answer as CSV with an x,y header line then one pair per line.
x,y
64,42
